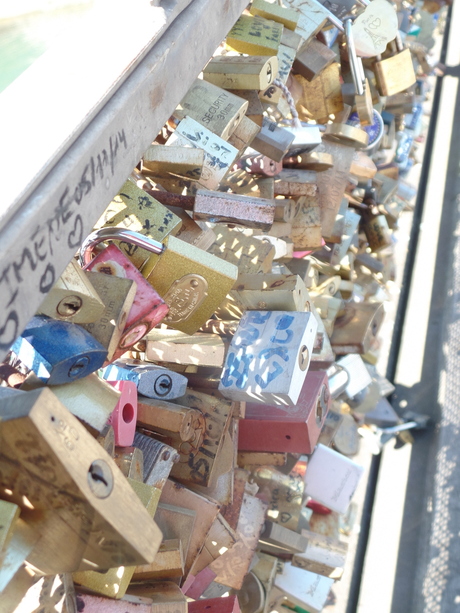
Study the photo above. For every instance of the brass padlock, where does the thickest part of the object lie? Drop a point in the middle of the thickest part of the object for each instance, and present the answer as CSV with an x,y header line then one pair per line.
x,y
52,464
396,73
192,282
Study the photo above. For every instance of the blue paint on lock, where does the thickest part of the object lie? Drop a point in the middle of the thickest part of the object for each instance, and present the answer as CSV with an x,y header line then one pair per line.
x,y
58,351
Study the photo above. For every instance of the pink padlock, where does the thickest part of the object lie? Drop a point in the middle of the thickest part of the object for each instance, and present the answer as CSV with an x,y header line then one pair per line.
x,y
124,416
148,307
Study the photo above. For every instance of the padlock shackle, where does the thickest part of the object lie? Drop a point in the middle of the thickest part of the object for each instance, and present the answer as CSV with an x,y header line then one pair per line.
x,y
357,71
117,234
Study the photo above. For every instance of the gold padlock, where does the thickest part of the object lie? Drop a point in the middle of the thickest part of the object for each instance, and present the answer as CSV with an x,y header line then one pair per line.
x,y
191,281
396,73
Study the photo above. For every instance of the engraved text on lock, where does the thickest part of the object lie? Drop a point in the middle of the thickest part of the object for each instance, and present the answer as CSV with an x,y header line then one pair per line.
x,y
184,296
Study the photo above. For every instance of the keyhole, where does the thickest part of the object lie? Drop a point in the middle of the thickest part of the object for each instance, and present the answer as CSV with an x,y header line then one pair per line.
x,y
100,479
303,357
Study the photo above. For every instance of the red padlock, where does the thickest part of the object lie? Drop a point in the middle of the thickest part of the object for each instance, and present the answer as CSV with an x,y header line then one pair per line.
x,y
294,429
148,307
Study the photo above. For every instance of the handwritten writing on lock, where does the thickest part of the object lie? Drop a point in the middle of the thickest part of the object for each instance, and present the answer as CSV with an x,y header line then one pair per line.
x,y
269,356
50,241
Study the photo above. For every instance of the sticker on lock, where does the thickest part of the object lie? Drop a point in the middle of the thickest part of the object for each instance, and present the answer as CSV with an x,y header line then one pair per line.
x,y
184,296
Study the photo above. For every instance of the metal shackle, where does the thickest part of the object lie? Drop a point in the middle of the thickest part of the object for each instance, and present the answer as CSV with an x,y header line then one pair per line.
x,y
120,234
356,65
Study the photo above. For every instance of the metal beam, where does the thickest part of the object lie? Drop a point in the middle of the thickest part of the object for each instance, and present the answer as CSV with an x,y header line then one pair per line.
x,y
47,230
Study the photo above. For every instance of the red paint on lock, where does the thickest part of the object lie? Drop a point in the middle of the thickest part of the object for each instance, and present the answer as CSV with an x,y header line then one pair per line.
x,y
124,416
148,308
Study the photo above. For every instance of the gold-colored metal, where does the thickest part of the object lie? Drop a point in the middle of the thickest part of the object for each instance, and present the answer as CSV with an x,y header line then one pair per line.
x,y
192,282
255,36
134,209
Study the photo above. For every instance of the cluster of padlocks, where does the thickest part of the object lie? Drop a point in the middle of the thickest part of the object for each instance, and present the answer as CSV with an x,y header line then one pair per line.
x,y
178,420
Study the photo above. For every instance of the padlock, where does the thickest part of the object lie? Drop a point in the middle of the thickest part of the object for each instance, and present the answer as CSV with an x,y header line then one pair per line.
x,y
151,380
271,292
252,459
215,108
228,604
322,96
123,417
254,111
313,17
288,17
269,357
291,429
396,73
168,421
312,59
158,459
343,477
193,282
115,581
295,183
200,349
218,207
136,210
168,563
281,538
249,254
90,603
355,329
130,460
377,232
200,455
305,589
218,154
91,400
283,494
260,165
233,565
255,36
148,308
332,183
176,523
206,510
220,539
58,351
374,28
236,72
163,596
164,162
273,141
77,468
73,298
244,134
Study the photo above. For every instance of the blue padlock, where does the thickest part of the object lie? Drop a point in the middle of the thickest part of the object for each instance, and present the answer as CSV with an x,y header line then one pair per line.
x,y
58,351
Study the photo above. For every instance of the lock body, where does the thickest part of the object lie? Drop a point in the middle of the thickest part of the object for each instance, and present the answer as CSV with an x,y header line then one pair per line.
x,y
57,351
269,357
236,72
124,416
151,380
148,308
73,298
218,154
355,330
288,429
192,282
82,495
337,490
255,36
215,108
118,296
